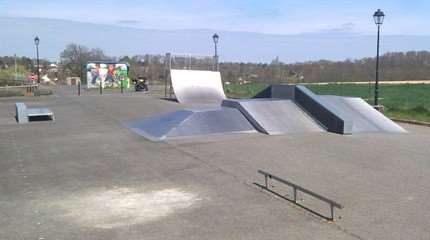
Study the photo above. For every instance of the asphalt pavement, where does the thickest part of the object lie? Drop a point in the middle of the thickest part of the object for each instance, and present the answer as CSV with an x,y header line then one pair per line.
x,y
86,176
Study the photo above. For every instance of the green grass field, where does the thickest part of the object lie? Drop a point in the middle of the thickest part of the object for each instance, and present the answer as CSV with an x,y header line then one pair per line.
x,y
402,101
244,90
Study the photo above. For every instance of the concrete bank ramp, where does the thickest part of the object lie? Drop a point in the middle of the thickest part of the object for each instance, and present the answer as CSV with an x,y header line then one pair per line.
x,y
191,122
364,117
343,115
275,116
193,87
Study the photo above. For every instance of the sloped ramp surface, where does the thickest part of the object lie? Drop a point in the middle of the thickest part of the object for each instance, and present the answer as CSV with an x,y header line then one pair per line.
x,y
194,87
365,118
191,122
275,116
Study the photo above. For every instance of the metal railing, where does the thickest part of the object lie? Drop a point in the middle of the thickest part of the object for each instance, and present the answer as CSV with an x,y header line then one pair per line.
x,y
19,86
296,188
30,88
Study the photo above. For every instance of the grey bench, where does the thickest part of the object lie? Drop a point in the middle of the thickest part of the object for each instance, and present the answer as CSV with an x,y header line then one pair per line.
x,y
24,114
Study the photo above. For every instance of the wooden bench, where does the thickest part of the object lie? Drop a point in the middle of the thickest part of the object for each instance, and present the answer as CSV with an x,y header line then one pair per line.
x,y
24,114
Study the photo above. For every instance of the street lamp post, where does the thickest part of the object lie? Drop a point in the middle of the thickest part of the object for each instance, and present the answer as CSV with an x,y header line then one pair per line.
x,y
36,42
215,38
378,16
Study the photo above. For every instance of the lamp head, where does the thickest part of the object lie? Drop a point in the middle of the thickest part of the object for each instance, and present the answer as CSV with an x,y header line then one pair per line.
x,y
378,16
215,37
36,40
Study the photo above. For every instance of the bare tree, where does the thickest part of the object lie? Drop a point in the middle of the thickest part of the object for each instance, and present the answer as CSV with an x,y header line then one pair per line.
x,y
75,56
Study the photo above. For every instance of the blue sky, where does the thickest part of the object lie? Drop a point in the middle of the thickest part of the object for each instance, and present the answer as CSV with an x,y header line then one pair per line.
x,y
263,16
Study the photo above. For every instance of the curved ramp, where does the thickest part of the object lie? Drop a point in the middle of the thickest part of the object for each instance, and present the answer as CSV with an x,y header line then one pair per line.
x,y
275,116
365,118
197,87
191,122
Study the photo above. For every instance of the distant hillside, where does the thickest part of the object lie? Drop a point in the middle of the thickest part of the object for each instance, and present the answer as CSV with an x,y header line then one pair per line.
x,y
17,38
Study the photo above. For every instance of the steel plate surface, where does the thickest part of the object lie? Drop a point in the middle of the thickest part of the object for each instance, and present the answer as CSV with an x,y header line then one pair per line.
x,y
191,122
197,87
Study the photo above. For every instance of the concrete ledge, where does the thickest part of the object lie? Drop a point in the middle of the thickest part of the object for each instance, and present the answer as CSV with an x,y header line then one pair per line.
x,y
327,116
23,114
277,91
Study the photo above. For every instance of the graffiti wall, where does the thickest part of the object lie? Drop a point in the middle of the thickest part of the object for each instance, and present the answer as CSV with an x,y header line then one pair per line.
x,y
109,75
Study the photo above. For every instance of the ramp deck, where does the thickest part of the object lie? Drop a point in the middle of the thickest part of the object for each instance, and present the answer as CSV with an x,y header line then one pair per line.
x,y
275,116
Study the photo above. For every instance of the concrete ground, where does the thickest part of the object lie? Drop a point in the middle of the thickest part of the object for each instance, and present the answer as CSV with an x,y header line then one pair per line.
x,y
85,176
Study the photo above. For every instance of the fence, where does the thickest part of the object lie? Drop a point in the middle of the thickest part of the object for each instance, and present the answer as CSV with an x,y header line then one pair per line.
x,y
21,90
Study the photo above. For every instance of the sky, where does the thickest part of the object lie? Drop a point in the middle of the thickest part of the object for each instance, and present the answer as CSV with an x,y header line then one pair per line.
x,y
262,16
250,30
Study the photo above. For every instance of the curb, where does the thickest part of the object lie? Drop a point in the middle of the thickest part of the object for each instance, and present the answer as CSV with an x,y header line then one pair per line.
x,y
411,122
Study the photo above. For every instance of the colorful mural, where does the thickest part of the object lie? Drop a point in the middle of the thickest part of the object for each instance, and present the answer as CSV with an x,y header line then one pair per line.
x,y
109,75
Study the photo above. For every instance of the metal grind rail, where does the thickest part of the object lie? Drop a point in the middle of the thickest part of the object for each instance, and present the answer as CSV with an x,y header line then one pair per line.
x,y
296,188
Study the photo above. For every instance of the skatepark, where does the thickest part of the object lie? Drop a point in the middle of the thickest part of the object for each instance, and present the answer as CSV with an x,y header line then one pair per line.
x,y
279,109
191,168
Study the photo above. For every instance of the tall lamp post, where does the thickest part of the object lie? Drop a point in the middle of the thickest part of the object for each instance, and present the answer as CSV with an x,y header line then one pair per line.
x,y
378,16
215,37
36,42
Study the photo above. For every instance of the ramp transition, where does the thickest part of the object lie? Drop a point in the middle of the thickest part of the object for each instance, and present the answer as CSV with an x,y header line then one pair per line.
x,y
275,116
194,87
191,122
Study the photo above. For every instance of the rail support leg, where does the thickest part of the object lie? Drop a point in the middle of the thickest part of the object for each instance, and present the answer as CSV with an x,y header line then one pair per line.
x,y
332,212
265,181
295,194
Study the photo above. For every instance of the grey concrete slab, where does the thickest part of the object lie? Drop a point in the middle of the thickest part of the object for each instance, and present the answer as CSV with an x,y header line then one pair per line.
x,y
381,179
86,176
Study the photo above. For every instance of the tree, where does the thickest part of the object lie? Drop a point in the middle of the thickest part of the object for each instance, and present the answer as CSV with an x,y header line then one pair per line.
x,y
134,66
75,56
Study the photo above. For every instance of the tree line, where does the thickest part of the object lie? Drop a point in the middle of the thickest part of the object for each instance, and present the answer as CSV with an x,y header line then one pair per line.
x,y
411,65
